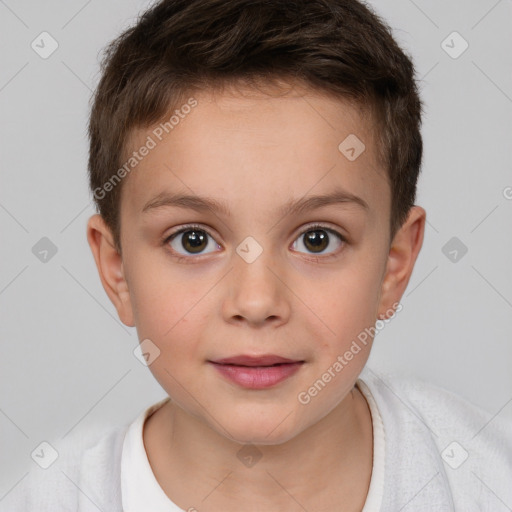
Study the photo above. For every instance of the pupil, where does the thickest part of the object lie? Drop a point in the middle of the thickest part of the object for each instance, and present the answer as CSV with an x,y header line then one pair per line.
x,y
194,240
316,240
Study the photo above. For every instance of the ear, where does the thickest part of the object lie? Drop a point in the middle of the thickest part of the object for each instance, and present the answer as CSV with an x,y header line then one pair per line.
x,y
403,252
110,267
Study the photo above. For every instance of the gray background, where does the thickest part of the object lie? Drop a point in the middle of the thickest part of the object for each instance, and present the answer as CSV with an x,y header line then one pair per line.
x,y
68,362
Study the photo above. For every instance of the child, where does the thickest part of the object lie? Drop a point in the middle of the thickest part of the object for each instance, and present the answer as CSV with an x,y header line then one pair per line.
x,y
283,136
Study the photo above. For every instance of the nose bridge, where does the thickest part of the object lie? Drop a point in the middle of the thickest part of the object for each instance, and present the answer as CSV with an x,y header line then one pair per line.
x,y
255,293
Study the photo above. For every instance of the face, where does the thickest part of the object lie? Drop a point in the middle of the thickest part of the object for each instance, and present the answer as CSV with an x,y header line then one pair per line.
x,y
251,264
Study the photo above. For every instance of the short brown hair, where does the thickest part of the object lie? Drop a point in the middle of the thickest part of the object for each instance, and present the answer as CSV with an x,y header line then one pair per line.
x,y
338,47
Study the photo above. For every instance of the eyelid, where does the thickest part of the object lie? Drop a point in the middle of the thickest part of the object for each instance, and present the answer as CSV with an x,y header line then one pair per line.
x,y
187,227
325,227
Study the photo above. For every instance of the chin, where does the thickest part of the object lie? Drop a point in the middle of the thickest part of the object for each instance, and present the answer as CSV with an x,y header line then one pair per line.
x,y
261,431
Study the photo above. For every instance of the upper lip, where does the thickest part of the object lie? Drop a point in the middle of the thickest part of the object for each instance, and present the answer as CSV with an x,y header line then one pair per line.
x,y
263,360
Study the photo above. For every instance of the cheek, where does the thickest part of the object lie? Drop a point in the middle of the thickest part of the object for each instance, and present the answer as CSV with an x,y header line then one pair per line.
x,y
347,303
158,295
170,313
173,318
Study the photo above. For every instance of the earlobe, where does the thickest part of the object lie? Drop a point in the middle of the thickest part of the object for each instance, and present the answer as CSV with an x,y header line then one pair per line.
x,y
110,267
403,253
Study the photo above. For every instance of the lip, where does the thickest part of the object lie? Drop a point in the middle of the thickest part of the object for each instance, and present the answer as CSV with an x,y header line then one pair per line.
x,y
263,360
257,372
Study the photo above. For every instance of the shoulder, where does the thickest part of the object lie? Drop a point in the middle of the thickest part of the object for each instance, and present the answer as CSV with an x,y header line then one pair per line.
x,y
58,482
425,425
442,411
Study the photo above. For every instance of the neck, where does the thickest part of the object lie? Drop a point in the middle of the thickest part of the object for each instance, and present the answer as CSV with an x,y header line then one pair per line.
x,y
327,464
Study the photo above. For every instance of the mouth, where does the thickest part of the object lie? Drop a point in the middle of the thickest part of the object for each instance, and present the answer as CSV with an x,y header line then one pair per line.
x,y
257,372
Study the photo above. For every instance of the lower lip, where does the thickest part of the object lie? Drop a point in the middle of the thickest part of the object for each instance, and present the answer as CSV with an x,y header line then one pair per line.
x,y
257,377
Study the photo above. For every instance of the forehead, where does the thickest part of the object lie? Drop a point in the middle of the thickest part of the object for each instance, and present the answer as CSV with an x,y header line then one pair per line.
x,y
244,146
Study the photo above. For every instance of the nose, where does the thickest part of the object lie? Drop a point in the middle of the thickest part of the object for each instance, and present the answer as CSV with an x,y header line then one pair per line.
x,y
256,293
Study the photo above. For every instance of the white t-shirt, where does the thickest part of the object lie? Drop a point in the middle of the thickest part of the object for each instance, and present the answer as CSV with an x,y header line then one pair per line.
x,y
433,451
141,491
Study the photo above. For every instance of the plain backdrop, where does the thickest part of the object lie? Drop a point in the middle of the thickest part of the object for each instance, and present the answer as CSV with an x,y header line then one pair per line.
x,y
66,359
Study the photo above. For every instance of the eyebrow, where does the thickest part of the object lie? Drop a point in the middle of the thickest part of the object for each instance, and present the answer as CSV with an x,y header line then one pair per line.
x,y
292,207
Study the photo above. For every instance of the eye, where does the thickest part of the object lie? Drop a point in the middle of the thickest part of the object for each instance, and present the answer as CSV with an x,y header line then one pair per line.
x,y
194,240
191,240
317,238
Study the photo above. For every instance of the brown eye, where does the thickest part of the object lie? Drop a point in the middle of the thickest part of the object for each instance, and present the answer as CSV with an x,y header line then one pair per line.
x,y
194,241
317,239
191,240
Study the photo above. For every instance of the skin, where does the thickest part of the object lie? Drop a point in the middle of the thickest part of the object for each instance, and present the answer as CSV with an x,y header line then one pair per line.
x,y
255,152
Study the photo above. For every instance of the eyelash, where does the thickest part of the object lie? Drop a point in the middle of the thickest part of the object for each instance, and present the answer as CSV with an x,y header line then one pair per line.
x,y
192,227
